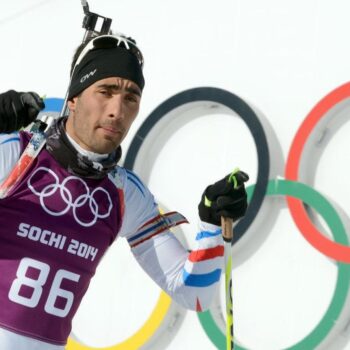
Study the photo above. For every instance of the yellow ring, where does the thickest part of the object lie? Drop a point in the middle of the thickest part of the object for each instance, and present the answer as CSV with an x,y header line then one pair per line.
x,y
141,336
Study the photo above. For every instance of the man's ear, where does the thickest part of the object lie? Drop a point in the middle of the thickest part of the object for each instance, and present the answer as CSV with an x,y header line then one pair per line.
x,y
71,104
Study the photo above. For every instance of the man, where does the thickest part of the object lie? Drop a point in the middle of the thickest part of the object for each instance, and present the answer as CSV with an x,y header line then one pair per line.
x,y
74,201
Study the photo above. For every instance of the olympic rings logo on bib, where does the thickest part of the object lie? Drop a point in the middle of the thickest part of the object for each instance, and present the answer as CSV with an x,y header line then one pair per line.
x,y
56,198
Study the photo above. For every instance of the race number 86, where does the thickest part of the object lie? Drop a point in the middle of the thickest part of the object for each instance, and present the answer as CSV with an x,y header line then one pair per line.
x,y
36,286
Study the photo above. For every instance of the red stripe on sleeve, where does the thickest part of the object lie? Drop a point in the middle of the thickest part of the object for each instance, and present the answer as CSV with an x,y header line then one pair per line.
x,y
206,254
198,306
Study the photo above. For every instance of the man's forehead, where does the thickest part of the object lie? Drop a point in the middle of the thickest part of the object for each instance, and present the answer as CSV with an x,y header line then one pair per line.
x,y
118,84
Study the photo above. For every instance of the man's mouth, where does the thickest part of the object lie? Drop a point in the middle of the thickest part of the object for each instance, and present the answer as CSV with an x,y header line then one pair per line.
x,y
112,130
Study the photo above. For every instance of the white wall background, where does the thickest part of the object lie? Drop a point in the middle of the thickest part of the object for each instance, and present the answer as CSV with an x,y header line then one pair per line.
x,y
281,56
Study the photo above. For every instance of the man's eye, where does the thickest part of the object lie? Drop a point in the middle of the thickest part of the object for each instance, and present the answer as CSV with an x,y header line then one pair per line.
x,y
131,98
104,92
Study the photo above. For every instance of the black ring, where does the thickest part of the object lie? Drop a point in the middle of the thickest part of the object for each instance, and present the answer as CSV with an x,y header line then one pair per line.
x,y
242,109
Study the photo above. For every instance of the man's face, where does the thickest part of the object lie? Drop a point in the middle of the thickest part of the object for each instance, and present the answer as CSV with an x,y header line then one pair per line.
x,y
100,117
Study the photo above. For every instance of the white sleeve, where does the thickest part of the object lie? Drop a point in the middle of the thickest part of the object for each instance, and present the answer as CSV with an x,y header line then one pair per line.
x,y
9,153
139,203
191,279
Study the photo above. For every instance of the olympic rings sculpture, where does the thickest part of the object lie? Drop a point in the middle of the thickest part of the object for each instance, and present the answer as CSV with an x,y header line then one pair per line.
x,y
192,104
316,120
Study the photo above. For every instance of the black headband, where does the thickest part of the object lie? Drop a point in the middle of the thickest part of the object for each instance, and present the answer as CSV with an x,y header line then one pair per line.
x,y
99,64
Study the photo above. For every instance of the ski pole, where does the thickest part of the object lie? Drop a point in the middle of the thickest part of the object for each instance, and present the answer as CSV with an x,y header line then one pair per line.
x,y
227,233
38,140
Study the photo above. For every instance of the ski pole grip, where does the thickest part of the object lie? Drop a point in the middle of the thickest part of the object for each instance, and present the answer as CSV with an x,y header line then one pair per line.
x,y
226,227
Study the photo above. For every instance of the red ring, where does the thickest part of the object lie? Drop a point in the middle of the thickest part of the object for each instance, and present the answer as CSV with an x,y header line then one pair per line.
x,y
326,246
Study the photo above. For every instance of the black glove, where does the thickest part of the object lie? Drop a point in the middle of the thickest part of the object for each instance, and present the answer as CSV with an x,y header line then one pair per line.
x,y
227,198
18,109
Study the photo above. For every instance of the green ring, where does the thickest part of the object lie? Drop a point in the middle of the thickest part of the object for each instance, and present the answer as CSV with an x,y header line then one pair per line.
x,y
311,197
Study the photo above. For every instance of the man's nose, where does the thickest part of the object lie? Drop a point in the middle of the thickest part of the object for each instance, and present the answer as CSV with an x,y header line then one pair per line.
x,y
115,107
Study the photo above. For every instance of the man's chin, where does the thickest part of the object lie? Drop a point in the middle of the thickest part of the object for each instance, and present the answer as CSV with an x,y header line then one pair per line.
x,y
108,145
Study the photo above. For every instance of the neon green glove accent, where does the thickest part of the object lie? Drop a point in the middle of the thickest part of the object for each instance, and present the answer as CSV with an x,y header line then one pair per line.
x,y
232,178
